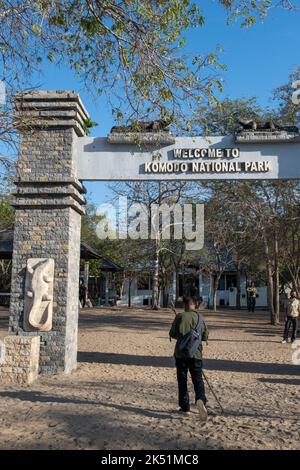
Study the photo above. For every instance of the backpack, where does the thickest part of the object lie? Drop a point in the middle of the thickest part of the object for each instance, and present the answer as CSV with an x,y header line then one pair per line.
x,y
189,344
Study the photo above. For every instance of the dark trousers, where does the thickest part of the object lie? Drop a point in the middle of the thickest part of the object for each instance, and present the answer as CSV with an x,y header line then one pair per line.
x,y
251,304
194,366
82,301
290,322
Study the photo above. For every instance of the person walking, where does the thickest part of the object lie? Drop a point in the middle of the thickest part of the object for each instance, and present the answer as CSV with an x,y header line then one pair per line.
x,y
182,325
252,292
82,294
292,310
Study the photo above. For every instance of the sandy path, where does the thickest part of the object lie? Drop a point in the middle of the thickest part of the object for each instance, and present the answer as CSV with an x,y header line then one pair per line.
x,y
124,390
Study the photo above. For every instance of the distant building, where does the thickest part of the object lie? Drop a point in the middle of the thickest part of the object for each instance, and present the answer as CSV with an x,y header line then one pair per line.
x,y
140,285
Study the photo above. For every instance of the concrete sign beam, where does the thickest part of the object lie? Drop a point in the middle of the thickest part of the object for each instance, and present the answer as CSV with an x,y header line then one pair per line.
x,y
189,158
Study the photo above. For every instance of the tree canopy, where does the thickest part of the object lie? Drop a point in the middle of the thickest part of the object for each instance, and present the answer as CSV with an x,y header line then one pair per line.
x,y
130,49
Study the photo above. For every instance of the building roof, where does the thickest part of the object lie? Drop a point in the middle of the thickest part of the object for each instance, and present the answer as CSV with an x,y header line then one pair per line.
x,y
86,252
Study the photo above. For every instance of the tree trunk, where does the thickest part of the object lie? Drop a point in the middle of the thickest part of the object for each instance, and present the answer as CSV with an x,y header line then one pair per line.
x,y
129,293
238,286
276,281
215,287
270,282
106,291
166,293
164,288
155,294
183,283
86,280
174,288
122,285
177,285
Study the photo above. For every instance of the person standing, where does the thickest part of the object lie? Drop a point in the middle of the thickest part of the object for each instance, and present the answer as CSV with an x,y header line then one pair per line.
x,y
183,324
82,294
195,294
251,292
292,310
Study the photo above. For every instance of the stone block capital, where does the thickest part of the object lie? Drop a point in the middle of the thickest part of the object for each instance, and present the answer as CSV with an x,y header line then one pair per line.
x,y
50,110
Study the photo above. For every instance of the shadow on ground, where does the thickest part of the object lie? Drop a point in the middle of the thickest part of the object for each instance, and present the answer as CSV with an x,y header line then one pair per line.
x,y
135,322
224,365
280,381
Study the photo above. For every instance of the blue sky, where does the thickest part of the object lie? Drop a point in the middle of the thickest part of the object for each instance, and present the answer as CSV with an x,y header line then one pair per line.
x,y
258,59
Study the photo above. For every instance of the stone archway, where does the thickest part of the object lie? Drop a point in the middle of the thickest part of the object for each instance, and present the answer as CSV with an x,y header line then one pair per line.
x,y
54,156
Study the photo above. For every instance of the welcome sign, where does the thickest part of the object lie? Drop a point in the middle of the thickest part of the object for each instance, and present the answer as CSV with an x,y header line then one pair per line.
x,y
207,160
189,158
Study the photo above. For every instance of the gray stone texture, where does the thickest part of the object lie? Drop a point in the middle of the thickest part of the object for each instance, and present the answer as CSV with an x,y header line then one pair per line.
x,y
21,362
49,204
142,138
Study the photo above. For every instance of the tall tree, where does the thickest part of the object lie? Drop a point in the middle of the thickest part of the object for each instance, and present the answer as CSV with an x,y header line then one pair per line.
x,y
288,112
151,195
262,204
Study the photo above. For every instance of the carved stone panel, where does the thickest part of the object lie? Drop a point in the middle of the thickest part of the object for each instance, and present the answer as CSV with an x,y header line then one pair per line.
x,y
38,303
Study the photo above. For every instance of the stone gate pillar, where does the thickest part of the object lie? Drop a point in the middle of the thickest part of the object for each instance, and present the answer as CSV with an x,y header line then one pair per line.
x,y
49,204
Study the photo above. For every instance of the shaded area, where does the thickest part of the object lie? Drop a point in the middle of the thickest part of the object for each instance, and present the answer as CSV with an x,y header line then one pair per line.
x,y
224,365
4,319
114,318
125,359
227,365
39,397
159,413
4,322
233,340
280,381
103,426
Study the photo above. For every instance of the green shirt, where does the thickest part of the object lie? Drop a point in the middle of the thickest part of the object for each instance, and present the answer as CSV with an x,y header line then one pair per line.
x,y
182,324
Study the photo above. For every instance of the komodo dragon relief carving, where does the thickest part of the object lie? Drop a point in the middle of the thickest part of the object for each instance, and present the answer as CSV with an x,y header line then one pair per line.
x,y
38,307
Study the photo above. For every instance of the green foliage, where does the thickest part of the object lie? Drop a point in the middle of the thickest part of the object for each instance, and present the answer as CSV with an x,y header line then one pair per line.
x,y
132,49
6,213
287,111
88,125
88,226
222,119
250,11
122,252
132,46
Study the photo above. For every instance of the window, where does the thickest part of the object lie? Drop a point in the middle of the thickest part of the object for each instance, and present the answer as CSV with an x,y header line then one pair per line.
x,y
144,283
231,280
221,285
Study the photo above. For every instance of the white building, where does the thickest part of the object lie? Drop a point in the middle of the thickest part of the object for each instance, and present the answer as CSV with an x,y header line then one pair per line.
x,y
140,288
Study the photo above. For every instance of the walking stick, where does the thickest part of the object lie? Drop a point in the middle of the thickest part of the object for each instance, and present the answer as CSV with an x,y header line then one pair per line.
x,y
205,378
211,389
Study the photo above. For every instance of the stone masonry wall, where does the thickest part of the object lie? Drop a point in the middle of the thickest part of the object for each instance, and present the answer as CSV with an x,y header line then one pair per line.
x,y
47,155
21,361
49,233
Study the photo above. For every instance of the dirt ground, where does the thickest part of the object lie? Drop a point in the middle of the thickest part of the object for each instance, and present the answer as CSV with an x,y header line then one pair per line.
x,y
123,394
